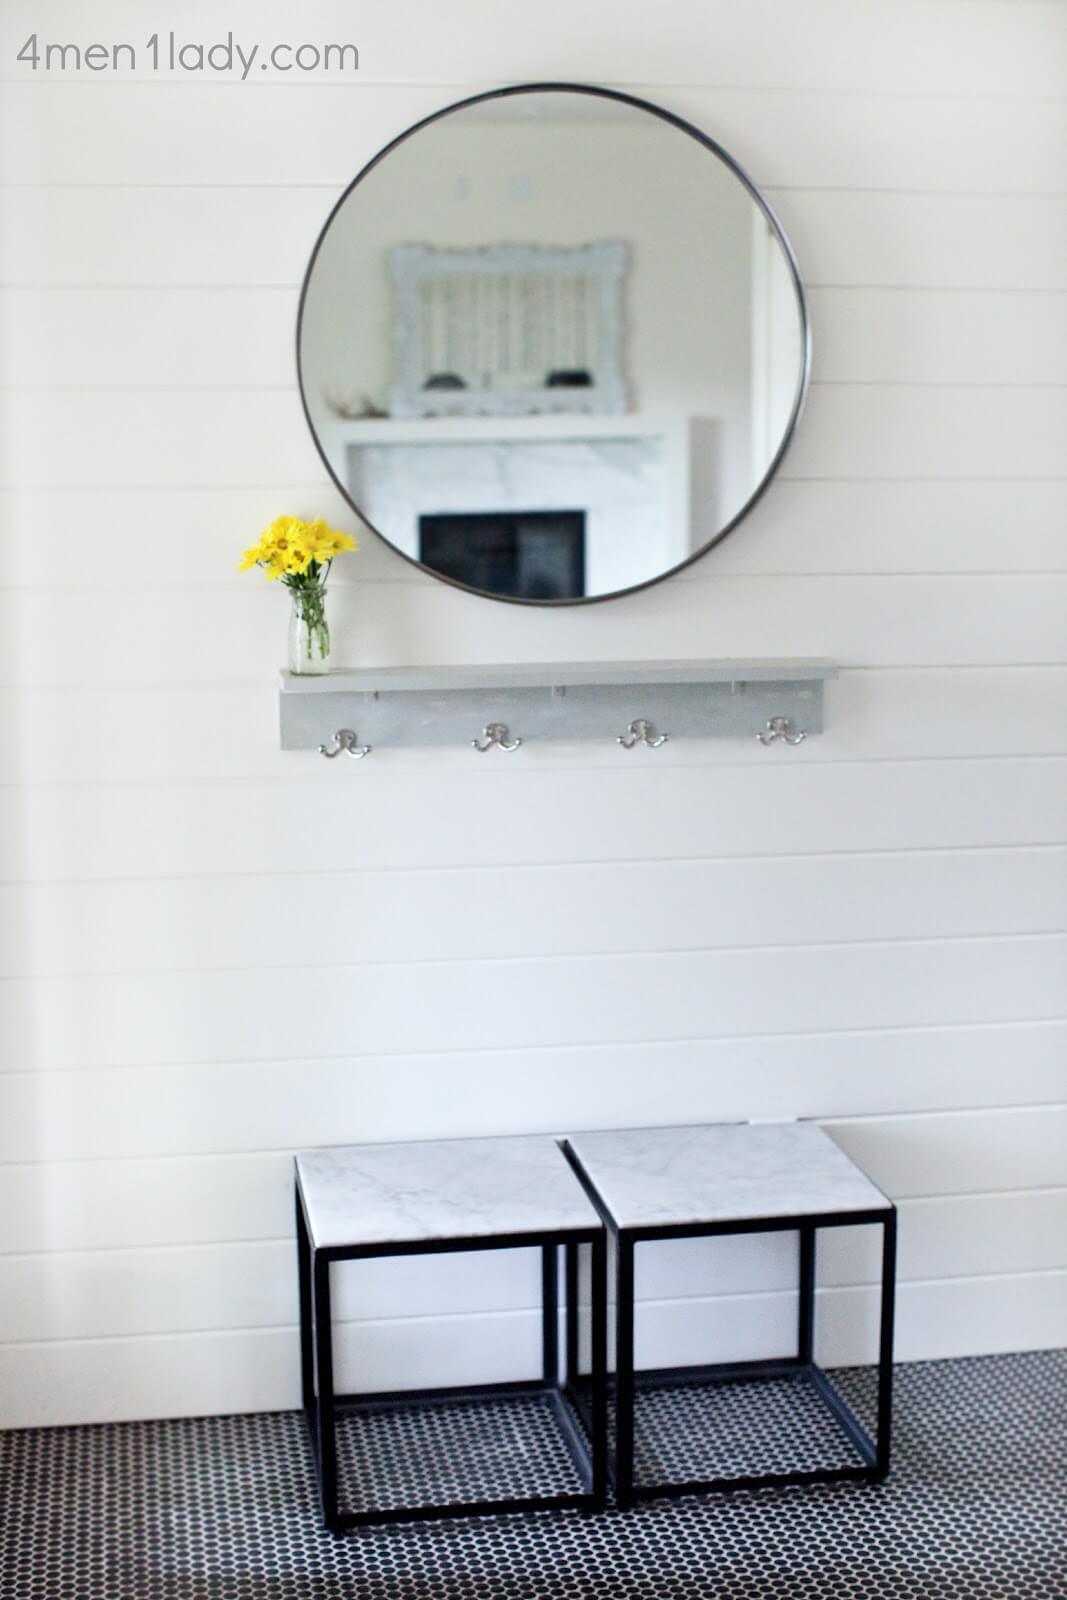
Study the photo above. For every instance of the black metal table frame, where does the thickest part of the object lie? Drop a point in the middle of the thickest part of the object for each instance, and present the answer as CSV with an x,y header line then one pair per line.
x,y
588,1446
875,1453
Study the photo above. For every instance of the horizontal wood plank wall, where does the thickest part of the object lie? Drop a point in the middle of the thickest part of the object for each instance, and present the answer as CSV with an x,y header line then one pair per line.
x,y
214,953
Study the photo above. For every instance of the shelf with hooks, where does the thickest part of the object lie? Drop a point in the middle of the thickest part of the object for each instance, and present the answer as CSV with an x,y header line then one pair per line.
x,y
500,708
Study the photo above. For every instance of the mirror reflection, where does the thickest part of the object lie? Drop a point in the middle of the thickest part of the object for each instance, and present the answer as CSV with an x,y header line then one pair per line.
x,y
551,345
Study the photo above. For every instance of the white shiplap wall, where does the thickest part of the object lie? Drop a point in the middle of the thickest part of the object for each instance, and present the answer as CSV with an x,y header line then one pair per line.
x,y
215,953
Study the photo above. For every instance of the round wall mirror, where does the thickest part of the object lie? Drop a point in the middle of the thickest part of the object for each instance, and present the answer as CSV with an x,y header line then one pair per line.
x,y
552,344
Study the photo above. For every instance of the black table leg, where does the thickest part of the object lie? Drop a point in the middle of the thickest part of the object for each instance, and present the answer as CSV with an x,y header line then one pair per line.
x,y
550,1313
307,1347
806,1321
326,1428
570,1257
599,1396
885,1343
624,1373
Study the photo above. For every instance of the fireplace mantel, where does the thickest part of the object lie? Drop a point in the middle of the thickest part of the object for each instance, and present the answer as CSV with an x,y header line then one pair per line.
x,y
492,430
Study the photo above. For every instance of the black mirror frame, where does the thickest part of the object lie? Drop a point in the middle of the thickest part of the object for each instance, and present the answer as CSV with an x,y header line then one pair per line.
x,y
739,172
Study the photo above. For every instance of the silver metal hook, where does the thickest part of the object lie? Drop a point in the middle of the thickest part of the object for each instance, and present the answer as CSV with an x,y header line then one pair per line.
x,y
344,741
496,733
641,732
778,728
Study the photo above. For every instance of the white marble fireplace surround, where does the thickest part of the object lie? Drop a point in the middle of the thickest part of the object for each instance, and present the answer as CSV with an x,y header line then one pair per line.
x,y
630,475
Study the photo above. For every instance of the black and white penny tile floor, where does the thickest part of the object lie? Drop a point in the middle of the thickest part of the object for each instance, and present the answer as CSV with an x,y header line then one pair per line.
x,y
223,1508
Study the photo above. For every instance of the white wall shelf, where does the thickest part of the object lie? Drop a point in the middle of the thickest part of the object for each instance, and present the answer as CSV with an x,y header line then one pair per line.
x,y
396,706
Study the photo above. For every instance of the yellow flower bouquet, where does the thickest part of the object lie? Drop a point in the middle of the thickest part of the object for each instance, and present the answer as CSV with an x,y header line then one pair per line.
x,y
301,554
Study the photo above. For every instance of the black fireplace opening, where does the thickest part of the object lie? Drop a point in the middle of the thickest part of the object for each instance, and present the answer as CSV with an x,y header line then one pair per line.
x,y
527,555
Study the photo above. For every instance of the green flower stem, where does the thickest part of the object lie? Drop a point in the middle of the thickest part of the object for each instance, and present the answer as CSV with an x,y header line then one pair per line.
x,y
309,593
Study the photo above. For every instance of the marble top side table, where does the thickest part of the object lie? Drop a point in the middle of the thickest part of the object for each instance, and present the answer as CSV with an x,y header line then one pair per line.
x,y
672,1183
362,1201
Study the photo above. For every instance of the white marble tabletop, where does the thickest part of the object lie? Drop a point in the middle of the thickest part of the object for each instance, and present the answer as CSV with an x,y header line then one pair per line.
x,y
444,1189
653,1177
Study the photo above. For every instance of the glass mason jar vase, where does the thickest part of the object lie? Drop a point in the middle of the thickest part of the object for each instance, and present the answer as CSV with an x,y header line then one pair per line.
x,y
309,632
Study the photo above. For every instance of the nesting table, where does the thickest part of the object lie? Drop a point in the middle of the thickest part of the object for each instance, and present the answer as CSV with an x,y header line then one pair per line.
x,y
632,1187
366,1201
652,1184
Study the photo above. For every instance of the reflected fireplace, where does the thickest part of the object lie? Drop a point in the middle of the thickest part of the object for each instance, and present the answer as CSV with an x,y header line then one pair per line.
x,y
525,555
